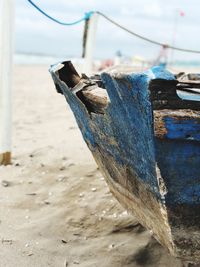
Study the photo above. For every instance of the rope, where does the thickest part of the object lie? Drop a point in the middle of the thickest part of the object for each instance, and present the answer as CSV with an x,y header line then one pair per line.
x,y
86,17
145,38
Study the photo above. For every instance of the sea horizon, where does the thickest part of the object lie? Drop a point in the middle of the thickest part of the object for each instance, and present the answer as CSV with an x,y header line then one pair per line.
x,y
42,58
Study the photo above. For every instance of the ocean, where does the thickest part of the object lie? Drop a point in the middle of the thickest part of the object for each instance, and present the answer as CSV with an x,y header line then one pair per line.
x,y
36,59
22,58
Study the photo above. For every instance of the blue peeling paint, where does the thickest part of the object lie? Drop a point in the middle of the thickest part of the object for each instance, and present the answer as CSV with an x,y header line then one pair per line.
x,y
185,128
80,112
179,163
129,123
161,73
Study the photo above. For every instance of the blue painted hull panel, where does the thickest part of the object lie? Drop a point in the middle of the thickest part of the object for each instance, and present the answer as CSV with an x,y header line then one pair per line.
x,y
178,162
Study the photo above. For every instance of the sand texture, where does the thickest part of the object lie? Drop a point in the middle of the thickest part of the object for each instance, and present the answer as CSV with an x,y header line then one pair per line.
x,y
55,207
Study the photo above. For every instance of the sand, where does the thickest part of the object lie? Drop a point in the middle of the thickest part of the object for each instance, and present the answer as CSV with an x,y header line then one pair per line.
x,y
55,207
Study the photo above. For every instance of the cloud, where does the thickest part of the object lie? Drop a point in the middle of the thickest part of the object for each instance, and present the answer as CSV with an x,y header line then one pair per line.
x,y
153,9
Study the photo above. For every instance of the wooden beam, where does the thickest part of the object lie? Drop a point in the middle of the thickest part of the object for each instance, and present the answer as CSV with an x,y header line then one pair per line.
x,y
6,63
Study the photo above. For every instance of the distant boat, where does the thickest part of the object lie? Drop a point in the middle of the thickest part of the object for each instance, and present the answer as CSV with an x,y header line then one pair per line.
x,y
145,138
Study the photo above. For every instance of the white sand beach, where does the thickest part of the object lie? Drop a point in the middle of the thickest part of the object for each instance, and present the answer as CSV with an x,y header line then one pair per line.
x,y
55,207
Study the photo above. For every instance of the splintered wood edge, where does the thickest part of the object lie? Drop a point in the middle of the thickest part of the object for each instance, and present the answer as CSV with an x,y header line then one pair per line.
x,y
97,95
180,113
5,158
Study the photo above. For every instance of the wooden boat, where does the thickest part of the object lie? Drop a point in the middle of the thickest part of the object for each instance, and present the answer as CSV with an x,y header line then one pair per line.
x,y
146,141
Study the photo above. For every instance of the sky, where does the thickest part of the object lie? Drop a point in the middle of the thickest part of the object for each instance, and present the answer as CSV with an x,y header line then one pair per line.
x,y
154,19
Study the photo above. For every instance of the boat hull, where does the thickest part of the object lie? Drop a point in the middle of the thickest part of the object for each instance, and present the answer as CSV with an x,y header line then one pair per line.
x,y
150,170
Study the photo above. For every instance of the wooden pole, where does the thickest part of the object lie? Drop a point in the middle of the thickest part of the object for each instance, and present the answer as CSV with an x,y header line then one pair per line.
x,y
90,43
6,63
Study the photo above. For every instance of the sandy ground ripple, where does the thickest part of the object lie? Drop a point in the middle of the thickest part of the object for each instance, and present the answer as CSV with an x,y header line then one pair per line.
x,y
55,207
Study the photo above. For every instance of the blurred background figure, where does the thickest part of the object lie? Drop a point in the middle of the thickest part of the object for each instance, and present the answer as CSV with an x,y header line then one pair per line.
x,y
162,59
118,58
